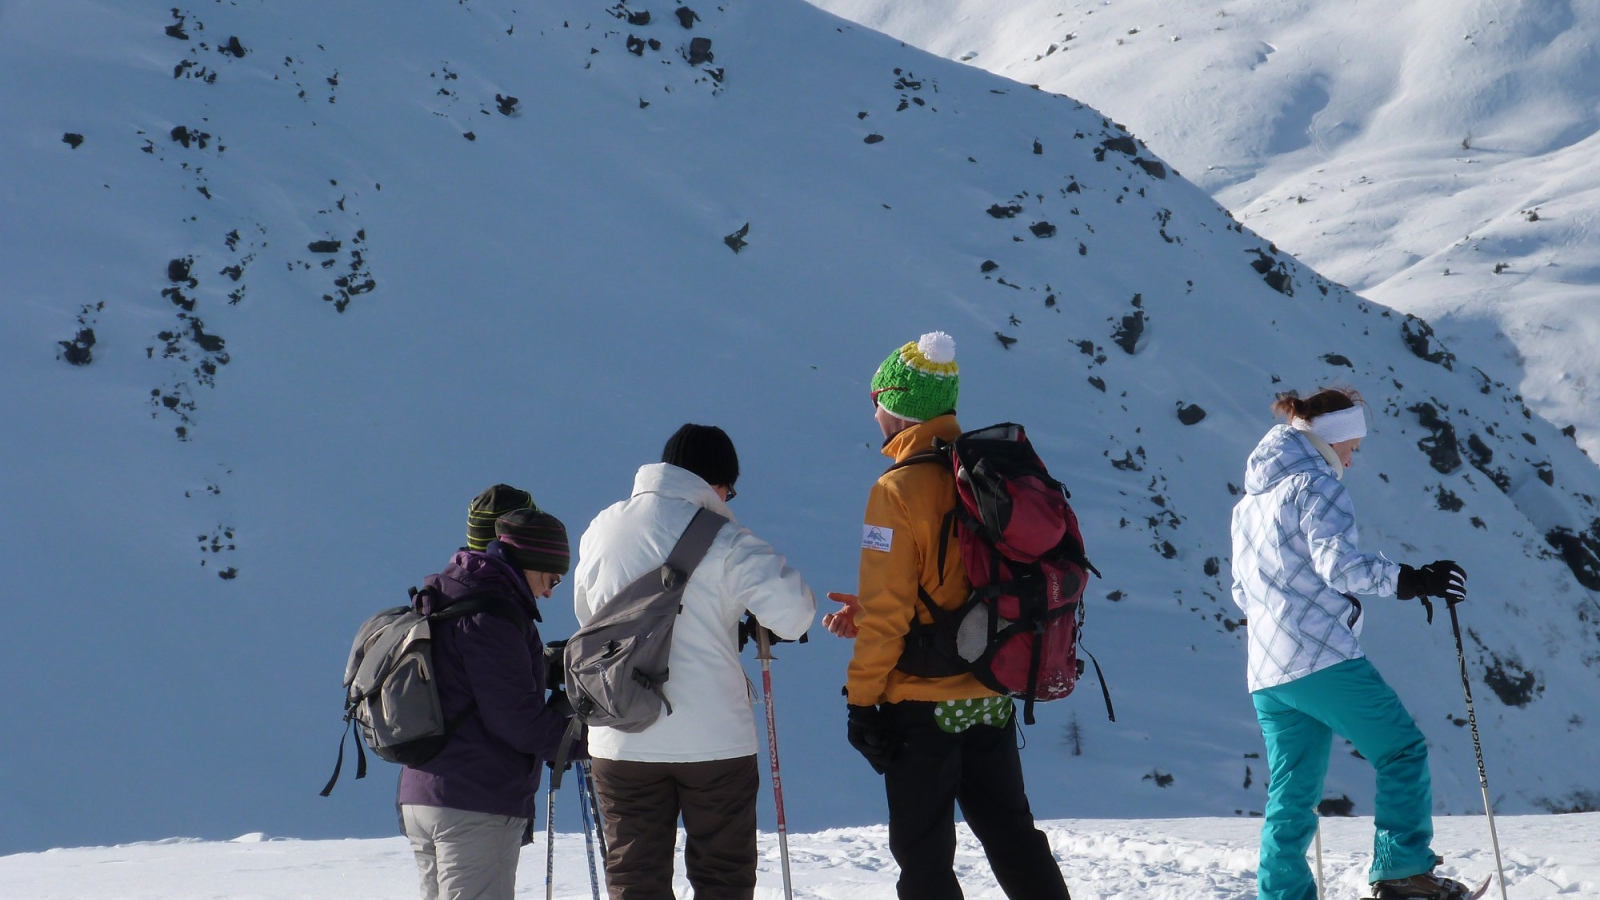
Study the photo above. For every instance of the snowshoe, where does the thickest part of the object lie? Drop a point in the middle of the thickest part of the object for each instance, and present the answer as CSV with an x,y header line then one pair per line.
x,y
1426,886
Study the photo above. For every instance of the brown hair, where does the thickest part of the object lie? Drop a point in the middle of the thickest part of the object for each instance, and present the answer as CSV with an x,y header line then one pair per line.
x,y
1291,405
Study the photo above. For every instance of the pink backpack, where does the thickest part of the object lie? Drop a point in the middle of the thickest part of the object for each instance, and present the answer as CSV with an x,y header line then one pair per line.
x,y
1019,630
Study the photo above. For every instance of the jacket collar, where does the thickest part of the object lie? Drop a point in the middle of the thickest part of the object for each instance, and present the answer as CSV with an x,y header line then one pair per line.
x,y
680,484
920,437
1322,447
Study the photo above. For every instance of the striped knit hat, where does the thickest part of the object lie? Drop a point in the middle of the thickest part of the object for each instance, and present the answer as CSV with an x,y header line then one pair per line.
x,y
534,540
919,381
488,506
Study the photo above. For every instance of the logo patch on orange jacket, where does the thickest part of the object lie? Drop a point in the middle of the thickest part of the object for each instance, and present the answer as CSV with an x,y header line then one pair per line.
x,y
876,537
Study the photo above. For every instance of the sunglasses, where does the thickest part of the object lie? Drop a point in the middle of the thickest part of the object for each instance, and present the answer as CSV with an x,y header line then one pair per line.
x,y
874,395
732,493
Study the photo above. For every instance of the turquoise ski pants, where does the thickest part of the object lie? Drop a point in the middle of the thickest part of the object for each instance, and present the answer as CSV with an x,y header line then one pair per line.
x,y
1298,721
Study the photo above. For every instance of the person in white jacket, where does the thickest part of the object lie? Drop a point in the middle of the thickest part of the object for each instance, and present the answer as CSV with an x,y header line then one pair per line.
x,y
1296,567
699,761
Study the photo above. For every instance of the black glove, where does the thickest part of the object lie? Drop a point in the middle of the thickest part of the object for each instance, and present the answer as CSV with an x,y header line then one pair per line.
x,y
869,732
555,667
559,704
1441,578
749,627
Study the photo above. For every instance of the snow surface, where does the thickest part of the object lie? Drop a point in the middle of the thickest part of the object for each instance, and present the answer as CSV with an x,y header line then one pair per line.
x,y
1406,148
555,296
1102,859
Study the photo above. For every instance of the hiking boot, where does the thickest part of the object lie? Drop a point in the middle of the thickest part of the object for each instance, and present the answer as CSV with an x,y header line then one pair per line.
x,y
1426,886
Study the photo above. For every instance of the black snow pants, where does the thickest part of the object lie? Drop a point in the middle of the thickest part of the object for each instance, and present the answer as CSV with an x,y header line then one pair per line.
x,y
980,769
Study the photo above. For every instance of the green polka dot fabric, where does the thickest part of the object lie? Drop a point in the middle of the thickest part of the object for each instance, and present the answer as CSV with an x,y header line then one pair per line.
x,y
956,716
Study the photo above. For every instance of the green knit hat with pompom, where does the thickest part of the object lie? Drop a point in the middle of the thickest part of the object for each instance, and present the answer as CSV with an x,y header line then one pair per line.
x,y
919,381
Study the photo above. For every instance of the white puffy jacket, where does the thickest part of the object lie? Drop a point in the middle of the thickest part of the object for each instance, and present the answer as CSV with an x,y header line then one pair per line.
x,y
1295,557
710,695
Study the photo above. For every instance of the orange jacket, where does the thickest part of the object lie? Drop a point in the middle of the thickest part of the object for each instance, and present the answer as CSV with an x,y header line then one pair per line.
x,y
899,551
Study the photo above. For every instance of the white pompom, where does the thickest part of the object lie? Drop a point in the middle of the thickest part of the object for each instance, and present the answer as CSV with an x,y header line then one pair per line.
x,y
937,347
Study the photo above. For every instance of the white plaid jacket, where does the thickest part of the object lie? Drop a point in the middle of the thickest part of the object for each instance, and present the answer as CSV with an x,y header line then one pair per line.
x,y
1295,557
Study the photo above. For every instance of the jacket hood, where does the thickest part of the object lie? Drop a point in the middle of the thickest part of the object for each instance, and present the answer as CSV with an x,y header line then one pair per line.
x,y
475,572
681,484
1282,453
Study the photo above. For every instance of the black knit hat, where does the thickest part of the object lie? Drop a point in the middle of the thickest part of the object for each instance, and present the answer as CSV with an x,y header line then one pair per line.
x,y
488,506
704,450
534,540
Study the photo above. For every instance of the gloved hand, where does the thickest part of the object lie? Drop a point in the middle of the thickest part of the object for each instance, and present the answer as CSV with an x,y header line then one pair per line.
x,y
555,667
749,627
559,703
1440,578
869,732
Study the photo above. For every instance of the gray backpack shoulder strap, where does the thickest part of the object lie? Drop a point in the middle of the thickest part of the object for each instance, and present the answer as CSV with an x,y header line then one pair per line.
x,y
696,541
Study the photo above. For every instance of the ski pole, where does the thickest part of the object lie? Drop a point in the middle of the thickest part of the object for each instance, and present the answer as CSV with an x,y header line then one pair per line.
x,y
588,832
1477,747
550,843
1320,882
764,653
594,809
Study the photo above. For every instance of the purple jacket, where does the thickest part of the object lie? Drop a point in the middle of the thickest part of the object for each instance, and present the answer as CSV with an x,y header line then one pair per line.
x,y
491,764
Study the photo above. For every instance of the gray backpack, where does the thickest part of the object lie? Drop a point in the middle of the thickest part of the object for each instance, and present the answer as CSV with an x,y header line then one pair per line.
x,y
391,689
617,662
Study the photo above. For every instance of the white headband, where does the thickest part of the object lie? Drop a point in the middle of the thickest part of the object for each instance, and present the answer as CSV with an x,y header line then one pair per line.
x,y
1341,425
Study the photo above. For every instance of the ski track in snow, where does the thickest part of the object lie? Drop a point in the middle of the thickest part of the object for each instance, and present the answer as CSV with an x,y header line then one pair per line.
x,y
1155,859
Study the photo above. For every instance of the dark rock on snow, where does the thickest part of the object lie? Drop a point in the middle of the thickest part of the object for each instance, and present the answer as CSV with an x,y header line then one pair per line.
x,y
76,351
1123,144
700,51
1127,334
1418,337
1042,229
1190,413
1440,444
72,140
736,240
687,17
872,139
178,271
1155,169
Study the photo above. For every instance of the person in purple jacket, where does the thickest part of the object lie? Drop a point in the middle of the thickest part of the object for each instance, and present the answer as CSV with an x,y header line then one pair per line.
x,y
466,811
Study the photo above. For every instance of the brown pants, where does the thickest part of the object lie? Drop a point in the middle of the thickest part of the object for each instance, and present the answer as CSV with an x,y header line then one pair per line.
x,y
641,802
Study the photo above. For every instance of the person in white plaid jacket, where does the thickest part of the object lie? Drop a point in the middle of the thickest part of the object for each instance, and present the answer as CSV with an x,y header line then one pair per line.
x,y
1296,567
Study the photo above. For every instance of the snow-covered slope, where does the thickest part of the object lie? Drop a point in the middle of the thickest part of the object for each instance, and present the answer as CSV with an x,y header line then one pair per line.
x,y
338,281
1435,156
1189,859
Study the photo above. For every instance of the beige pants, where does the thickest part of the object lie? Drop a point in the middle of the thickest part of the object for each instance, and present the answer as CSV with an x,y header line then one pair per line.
x,y
464,855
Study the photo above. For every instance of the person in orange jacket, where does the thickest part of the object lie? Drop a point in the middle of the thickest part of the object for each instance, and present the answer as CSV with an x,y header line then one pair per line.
x,y
938,739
